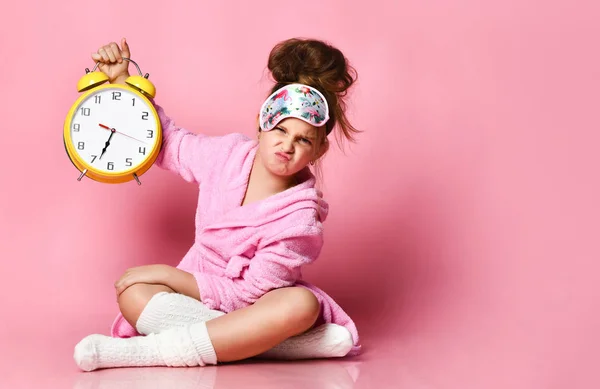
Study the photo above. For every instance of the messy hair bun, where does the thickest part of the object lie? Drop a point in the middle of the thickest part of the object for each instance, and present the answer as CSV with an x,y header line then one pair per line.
x,y
322,66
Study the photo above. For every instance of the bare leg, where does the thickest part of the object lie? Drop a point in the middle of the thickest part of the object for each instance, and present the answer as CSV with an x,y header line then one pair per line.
x,y
252,330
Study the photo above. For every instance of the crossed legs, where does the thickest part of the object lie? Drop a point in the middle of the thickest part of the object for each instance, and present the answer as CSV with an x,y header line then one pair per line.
x,y
181,331
247,332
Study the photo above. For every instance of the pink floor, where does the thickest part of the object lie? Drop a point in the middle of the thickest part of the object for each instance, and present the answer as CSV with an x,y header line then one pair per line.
x,y
415,354
39,360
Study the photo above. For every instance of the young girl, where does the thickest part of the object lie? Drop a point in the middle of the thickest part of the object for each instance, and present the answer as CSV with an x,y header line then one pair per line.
x,y
238,292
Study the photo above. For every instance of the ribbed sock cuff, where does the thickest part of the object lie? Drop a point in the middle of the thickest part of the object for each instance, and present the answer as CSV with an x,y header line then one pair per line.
x,y
203,344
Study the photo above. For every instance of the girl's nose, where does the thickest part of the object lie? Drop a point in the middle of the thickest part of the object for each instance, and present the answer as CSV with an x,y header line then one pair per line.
x,y
287,146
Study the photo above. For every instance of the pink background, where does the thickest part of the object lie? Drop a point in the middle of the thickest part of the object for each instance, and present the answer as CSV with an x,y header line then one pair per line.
x,y
463,234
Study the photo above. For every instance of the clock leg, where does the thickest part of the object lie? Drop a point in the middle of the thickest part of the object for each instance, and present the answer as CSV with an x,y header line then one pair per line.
x,y
137,179
82,174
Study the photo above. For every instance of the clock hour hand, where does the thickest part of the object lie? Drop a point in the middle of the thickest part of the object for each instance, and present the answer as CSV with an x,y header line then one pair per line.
x,y
112,132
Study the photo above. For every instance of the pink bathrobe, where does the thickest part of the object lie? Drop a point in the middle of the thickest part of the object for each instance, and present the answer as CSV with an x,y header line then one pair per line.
x,y
242,252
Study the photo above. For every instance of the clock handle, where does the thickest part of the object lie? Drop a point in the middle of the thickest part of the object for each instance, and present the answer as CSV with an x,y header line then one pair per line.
x,y
126,59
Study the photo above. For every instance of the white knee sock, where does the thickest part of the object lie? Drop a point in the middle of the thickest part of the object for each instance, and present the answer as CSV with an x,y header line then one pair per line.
x,y
168,310
187,346
325,341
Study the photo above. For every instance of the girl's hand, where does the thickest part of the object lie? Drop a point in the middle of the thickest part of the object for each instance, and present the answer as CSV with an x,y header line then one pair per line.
x,y
149,274
111,61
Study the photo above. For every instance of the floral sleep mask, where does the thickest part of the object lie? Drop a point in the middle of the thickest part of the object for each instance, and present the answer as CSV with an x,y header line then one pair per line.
x,y
295,100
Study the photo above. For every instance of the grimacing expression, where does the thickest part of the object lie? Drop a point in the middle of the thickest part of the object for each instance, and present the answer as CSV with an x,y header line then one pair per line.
x,y
291,145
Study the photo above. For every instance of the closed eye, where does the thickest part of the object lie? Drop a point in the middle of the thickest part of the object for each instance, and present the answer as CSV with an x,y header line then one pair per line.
x,y
304,140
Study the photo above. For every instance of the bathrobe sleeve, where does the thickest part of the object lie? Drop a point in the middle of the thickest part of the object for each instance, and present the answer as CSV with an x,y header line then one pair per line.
x,y
189,154
276,265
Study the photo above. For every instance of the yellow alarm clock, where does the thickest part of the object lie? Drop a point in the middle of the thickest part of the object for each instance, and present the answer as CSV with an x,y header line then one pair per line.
x,y
112,133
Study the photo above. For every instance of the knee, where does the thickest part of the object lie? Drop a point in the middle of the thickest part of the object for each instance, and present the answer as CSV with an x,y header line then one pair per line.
x,y
135,298
301,309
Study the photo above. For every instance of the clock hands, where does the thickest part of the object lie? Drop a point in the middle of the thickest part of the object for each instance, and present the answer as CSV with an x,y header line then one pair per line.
x,y
113,130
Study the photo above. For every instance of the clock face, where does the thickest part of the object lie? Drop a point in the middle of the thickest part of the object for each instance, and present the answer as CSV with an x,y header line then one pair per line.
x,y
114,130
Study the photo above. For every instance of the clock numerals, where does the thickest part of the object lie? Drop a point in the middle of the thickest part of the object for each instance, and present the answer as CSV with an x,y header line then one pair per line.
x,y
116,163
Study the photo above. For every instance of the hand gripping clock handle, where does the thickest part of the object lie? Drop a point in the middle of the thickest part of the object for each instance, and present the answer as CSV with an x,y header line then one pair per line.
x,y
130,60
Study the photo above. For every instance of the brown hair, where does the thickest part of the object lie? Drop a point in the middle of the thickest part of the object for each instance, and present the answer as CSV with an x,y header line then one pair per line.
x,y
322,66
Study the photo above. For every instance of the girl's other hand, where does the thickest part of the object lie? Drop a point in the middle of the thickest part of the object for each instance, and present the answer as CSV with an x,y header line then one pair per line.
x,y
149,274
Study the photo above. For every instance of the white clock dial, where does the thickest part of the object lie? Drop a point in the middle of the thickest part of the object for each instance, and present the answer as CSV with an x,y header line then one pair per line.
x,y
120,118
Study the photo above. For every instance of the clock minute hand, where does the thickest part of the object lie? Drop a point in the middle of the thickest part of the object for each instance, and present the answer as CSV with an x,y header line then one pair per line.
x,y
112,129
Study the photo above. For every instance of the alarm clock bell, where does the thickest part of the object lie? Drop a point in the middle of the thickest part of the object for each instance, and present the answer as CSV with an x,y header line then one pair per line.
x,y
94,78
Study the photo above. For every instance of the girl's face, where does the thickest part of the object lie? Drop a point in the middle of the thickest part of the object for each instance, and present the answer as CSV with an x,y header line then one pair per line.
x,y
290,146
